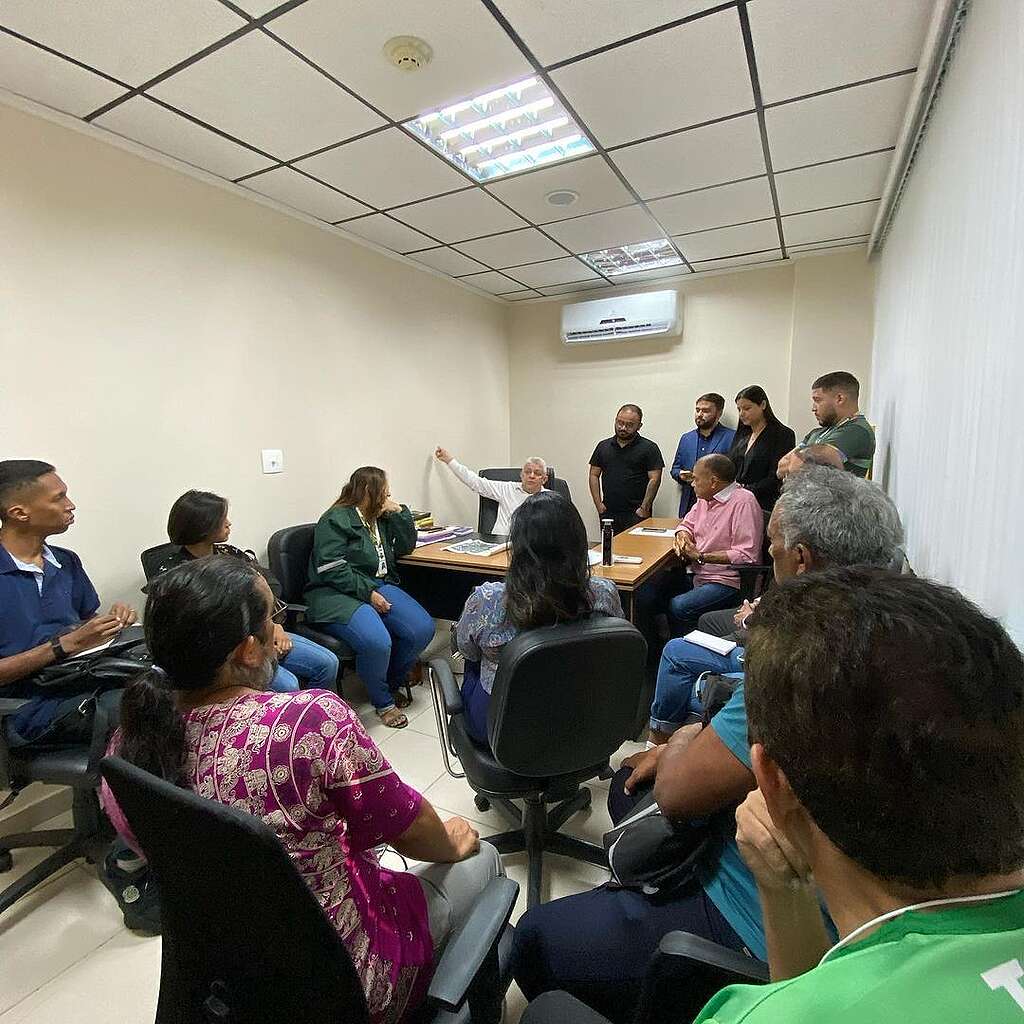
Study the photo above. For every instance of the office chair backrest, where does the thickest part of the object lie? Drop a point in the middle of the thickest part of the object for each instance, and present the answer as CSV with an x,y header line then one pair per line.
x,y
488,513
152,557
288,552
565,697
239,924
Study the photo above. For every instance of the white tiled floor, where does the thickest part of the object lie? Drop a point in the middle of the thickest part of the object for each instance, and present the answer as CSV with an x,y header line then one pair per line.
x,y
66,958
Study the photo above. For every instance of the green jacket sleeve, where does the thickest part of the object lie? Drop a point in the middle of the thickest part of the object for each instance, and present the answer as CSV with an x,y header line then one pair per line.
x,y
401,531
333,544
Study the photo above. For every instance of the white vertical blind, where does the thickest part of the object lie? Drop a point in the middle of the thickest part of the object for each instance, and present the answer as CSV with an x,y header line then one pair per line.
x,y
948,370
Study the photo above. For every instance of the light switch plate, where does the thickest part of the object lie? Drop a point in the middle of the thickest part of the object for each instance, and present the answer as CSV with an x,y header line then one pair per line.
x,y
273,460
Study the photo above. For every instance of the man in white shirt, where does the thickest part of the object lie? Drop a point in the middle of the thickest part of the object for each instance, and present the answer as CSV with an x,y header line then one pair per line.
x,y
507,493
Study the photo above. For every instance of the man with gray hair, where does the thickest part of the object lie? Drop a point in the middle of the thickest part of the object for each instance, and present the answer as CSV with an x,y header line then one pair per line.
x,y
507,493
824,517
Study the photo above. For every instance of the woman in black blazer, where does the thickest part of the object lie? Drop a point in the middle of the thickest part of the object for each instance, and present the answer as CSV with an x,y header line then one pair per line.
x,y
761,440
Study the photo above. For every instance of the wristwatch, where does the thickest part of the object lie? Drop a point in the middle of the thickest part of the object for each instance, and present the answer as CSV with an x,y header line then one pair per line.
x,y
59,654
700,558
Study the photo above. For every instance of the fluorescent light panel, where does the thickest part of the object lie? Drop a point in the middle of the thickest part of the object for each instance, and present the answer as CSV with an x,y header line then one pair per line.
x,y
514,128
628,259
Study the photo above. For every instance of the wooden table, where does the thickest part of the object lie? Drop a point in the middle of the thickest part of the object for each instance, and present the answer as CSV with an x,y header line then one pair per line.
x,y
442,580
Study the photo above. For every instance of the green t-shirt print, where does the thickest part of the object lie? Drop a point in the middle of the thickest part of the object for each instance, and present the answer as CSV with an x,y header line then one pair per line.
x,y
960,964
853,437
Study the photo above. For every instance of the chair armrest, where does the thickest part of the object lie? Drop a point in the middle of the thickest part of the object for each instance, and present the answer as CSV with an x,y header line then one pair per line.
x,y
704,951
299,609
560,1008
748,566
445,678
470,947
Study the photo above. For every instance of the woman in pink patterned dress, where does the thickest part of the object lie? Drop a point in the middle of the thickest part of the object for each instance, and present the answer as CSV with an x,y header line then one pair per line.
x,y
304,764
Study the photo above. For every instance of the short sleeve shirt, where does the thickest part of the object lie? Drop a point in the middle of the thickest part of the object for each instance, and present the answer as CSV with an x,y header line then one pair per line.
x,y
961,963
854,437
624,471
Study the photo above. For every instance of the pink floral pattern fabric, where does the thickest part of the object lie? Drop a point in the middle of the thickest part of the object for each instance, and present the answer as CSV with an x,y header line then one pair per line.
x,y
304,764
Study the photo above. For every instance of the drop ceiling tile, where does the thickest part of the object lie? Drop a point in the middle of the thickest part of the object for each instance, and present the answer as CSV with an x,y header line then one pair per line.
x,y
597,185
257,8
302,193
554,272
260,93
492,282
749,260
144,121
714,207
828,248
830,243
694,159
448,261
806,45
843,123
680,77
130,41
622,280
844,181
507,250
384,231
558,29
385,169
738,240
579,286
839,223
457,217
520,293
603,230
52,81
471,53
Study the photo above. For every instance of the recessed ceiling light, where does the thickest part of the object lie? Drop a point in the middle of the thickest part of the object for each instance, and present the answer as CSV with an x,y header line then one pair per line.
x,y
628,259
562,197
515,128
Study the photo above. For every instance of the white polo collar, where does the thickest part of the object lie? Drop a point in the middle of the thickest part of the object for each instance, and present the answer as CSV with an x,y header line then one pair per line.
x,y
726,493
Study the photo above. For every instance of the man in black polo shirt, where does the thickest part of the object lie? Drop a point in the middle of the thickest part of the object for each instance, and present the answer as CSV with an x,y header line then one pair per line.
x,y
625,472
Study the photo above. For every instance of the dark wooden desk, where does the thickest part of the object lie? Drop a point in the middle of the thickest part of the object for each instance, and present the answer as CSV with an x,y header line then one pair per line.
x,y
442,580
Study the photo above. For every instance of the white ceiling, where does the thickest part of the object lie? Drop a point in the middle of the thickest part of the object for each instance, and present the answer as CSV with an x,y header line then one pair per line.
x,y
745,131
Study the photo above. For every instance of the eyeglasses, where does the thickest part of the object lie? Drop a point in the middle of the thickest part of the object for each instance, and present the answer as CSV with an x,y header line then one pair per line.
x,y
280,612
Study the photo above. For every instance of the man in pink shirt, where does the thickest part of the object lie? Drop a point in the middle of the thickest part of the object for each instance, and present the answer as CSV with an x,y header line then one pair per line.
x,y
726,526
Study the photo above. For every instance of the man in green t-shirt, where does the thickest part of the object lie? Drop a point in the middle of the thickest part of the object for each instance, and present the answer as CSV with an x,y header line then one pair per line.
x,y
842,425
887,719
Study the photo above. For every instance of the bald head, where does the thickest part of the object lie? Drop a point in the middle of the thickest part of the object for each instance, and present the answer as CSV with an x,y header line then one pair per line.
x,y
712,474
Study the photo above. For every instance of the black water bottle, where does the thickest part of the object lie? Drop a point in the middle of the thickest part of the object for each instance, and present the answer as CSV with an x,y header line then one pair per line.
x,y
607,532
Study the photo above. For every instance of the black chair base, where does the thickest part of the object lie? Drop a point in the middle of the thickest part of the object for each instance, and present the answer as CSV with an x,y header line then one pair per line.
x,y
538,834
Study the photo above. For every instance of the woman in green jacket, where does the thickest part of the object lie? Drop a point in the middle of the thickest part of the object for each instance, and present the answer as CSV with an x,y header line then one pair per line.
x,y
353,590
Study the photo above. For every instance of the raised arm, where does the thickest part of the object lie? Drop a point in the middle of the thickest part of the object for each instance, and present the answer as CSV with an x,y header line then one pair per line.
x,y
485,488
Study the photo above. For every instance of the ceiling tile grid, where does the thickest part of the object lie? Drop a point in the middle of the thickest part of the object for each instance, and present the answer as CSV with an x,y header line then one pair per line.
x,y
714,124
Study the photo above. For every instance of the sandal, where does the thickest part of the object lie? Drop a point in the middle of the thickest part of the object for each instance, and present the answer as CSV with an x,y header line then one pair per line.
x,y
393,718
402,699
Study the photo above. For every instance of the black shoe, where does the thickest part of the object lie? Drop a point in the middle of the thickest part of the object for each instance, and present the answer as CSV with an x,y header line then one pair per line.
x,y
136,893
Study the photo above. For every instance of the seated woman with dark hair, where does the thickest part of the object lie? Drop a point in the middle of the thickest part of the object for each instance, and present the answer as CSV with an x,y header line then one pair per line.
x,y
548,582
304,764
198,523
353,590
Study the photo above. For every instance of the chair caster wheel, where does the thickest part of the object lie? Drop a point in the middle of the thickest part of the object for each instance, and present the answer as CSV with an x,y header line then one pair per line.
x,y
6,860
482,803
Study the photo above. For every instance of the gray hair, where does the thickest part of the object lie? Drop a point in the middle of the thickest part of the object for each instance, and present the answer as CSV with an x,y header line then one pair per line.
x,y
536,460
842,519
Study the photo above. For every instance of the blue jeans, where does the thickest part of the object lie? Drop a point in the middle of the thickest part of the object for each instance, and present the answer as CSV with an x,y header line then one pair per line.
x,y
693,602
681,663
386,646
309,661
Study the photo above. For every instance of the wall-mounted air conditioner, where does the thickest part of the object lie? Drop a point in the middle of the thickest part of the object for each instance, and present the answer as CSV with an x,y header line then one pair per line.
x,y
646,315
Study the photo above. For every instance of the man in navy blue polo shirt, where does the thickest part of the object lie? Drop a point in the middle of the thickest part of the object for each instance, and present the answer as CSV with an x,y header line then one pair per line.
x,y
48,607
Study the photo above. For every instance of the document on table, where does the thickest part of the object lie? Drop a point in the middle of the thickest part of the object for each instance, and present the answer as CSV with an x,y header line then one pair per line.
x,y
651,531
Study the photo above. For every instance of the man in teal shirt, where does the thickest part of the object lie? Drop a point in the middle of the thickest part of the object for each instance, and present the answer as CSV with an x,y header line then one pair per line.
x,y
841,424
887,718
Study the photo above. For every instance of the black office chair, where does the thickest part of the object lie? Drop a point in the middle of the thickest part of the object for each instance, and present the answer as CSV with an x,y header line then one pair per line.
x,y
755,578
564,700
488,514
244,939
77,767
288,552
152,557
684,973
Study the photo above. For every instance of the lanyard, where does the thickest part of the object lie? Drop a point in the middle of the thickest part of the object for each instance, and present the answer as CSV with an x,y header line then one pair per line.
x,y
892,914
374,532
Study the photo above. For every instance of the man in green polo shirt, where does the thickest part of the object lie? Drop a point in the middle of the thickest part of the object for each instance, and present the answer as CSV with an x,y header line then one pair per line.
x,y
842,425
887,718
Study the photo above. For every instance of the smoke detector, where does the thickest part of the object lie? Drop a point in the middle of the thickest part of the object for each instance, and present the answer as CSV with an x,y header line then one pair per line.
x,y
562,197
408,53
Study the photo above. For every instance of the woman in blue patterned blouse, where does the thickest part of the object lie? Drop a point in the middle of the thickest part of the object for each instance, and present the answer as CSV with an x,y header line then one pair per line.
x,y
548,582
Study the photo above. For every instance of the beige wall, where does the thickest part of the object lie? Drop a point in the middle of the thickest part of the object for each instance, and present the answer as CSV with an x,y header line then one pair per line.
x,y
775,326
156,332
